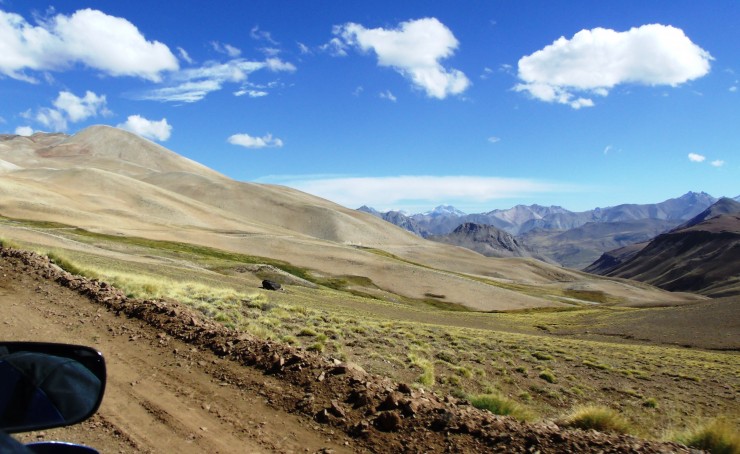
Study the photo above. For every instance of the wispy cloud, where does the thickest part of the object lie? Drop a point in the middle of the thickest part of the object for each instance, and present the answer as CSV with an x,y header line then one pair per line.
x,y
109,44
262,35
247,141
304,49
695,157
494,139
194,84
592,62
251,93
414,49
184,55
397,191
226,49
156,130
387,95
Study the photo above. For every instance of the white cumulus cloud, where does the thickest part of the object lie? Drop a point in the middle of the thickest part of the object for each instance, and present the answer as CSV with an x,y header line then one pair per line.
x,y
247,141
592,62
414,49
394,191
69,107
89,37
24,130
156,130
78,109
717,163
695,157
52,119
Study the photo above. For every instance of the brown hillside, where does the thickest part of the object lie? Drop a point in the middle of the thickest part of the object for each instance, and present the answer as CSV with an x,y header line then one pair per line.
x,y
703,258
107,180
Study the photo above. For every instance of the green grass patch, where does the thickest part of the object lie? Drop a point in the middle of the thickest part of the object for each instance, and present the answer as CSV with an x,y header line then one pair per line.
x,y
427,376
500,405
598,418
59,259
542,356
595,365
717,437
548,376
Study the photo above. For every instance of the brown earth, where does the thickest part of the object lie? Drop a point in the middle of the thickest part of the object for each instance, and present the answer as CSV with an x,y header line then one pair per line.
x,y
180,383
710,325
110,181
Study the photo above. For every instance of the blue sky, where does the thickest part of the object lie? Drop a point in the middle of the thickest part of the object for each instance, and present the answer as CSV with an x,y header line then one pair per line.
x,y
399,105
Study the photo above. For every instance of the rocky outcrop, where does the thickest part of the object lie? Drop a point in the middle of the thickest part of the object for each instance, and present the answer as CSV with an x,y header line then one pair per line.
x,y
489,241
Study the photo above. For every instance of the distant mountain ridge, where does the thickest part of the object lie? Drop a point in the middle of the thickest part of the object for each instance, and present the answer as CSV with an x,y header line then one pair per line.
x,y
521,219
489,241
572,239
702,255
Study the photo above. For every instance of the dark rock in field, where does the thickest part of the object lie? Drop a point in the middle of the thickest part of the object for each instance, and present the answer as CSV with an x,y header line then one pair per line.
x,y
322,416
404,388
410,408
388,421
336,410
390,402
271,285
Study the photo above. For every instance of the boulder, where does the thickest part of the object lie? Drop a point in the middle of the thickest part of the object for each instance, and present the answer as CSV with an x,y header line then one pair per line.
x,y
271,285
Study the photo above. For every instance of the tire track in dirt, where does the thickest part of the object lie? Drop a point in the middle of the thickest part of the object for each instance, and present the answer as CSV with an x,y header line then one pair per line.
x,y
154,401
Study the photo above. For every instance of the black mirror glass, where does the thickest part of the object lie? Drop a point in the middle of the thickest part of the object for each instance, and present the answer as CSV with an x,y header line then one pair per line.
x,y
45,385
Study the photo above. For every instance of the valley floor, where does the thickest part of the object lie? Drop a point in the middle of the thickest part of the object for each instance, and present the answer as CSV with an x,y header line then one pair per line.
x,y
166,394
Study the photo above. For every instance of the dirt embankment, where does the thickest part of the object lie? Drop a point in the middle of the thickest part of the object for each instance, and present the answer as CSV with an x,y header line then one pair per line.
x,y
178,382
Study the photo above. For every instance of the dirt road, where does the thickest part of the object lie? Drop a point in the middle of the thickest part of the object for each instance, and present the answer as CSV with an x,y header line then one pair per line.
x,y
181,383
162,395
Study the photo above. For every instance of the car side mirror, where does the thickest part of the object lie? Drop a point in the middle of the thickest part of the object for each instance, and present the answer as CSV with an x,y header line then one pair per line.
x,y
45,385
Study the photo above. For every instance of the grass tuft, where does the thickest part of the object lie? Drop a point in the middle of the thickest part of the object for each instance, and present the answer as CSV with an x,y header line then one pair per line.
x,y
717,437
542,356
548,376
427,376
499,405
598,418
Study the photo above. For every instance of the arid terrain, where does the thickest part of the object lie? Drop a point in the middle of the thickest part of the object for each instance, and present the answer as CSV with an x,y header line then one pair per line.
x,y
377,341
179,382
110,181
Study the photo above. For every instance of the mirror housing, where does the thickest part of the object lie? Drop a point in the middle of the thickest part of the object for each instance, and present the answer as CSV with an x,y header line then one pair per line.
x,y
46,385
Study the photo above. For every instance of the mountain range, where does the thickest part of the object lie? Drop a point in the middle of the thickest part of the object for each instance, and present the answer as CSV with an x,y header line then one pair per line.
x,y
521,219
489,241
701,255
109,181
572,239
